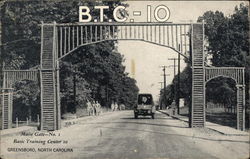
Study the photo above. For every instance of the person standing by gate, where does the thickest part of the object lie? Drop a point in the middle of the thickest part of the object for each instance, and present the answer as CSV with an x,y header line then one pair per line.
x,y
89,108
94,107
112,106
116,106
98,108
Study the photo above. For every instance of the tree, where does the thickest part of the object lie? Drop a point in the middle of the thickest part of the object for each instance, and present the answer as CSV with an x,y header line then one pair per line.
x,y
128,93
169,95
100,65
215,87
185,87
228,39
21,26
95,71
26,99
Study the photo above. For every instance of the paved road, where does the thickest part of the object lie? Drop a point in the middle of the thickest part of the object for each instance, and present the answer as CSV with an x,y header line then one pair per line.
x,y
119,136
126,137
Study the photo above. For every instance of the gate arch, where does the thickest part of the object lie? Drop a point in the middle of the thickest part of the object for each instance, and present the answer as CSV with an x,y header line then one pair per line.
x,y
238,75
10,77
73,36
59,40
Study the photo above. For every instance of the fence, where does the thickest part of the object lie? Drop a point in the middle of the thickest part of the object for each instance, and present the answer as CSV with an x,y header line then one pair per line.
x,y
27,122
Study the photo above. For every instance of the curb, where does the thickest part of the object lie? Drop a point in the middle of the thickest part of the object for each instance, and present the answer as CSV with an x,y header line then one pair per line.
x,y
174,117
227,133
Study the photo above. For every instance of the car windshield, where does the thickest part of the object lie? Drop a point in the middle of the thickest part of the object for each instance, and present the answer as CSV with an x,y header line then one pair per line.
x,y
145,99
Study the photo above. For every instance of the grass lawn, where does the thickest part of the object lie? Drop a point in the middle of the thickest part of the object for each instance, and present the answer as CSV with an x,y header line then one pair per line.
x,y
219,116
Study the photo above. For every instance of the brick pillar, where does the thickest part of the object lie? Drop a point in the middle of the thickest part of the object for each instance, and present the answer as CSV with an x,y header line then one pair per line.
x,y
198,81
6,108
240,107
48,75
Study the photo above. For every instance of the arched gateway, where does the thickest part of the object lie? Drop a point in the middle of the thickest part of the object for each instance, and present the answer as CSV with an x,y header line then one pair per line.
x,y
59,40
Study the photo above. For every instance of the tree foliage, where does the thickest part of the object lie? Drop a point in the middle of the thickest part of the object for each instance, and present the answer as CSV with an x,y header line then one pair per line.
x,y
185,87
228,39
100,67
94,71
26,100
21,26
222,91
169,95
228,43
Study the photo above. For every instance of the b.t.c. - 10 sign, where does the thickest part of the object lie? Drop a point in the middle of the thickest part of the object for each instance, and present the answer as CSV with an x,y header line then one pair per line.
x,y
85,14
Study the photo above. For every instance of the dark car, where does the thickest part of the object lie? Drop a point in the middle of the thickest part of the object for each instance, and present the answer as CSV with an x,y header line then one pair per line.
x,y
145,106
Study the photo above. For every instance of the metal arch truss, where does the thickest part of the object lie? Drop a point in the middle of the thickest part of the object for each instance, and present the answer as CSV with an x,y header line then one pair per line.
x,y
10,77
238,75
72,36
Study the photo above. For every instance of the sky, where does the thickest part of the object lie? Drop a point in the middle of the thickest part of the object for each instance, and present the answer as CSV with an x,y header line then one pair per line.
x,y
148,58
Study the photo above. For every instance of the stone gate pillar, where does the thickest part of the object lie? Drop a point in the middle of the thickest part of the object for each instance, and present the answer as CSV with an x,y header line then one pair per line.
x,y
6,108
50,118
240,107
198,77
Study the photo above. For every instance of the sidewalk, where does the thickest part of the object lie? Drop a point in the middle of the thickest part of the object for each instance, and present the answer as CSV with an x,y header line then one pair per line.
x,y
64,123
15,131
68,122
216,127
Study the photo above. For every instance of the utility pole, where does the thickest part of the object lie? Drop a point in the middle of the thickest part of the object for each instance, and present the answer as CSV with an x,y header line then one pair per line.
x,y
174,59
164,83
177,93
178,85
160,99
74,88
161,84
174,91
